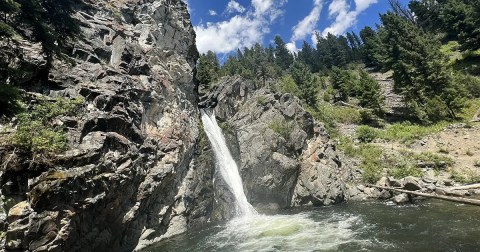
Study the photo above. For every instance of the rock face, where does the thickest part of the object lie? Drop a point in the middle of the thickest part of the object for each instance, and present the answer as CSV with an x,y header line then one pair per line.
x,y
286,159
129,177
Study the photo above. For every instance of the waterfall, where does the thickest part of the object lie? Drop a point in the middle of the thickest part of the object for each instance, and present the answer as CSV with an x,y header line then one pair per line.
x,y
226,164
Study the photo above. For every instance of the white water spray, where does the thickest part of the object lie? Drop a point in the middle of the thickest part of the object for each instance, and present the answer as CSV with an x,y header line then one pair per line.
x,y
225,163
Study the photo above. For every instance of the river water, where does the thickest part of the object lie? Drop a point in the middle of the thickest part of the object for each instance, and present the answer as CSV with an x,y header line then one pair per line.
x,y
361,226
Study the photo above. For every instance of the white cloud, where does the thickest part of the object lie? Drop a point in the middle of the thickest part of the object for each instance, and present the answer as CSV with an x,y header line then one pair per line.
x,y
364,4
233,7
212,12
344,17
261,6
242,30
308,24
292,47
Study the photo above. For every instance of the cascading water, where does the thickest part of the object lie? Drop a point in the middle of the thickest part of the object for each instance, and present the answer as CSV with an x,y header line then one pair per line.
x,y
226,164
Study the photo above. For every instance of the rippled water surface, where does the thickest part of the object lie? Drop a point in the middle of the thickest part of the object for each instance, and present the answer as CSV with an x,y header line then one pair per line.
x,y
368,226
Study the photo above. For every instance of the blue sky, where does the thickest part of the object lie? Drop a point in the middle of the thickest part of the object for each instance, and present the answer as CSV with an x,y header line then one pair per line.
x,y
225,25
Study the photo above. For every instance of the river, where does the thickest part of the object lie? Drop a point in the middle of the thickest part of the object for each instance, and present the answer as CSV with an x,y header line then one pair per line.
x,y
358,226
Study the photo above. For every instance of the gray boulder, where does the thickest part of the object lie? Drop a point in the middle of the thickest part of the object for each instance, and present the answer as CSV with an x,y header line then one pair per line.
x,y
401,199
411,184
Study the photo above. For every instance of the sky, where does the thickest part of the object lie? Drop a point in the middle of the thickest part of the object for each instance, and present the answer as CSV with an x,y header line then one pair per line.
x,y
223,26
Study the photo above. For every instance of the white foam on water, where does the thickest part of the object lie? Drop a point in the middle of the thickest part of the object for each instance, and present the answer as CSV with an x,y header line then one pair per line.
x,y
297,232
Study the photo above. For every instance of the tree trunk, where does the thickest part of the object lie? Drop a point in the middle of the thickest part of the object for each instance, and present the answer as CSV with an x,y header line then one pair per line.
x,y
474,202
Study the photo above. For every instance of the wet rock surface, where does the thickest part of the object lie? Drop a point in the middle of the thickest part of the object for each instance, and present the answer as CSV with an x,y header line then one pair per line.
x,y
129,177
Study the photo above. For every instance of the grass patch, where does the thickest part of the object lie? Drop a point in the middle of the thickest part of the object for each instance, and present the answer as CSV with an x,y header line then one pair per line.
x,y
372,163
406,132
282,127
404,170
470,110
346,145
468,177
429,159
331,115
261,100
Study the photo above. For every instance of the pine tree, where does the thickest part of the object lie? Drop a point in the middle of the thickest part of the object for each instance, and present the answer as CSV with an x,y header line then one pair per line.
x,y
283,58
207,68
460,19
307,56
344,83
306,83
419,70
370,93
354,45
373,50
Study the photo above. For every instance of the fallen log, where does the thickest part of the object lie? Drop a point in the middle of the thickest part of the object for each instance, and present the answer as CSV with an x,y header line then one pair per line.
x,y
465,187
474,202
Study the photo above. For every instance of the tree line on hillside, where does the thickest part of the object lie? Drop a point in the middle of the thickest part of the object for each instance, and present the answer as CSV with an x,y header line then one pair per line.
x,y
408,41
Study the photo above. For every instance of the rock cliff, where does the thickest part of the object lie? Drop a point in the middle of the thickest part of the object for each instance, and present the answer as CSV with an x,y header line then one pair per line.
x,y
129,176
286,158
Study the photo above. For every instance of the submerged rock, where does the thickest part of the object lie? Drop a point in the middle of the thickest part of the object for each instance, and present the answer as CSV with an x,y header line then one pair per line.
x,y
401,198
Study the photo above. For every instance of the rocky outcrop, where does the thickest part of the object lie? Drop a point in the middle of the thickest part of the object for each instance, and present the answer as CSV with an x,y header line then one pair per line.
x,y
286,158
129,177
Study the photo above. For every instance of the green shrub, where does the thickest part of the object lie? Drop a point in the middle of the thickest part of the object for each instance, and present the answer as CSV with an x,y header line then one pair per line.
x,y
404,170
438,161
436,110
372,163
261,100
329,94
337,114
6,30
227,127
35,131
470,110
282,127
287,85
366,134
371,173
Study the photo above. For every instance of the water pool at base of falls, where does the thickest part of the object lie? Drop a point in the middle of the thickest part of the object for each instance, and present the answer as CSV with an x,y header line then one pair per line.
x,y
357,226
